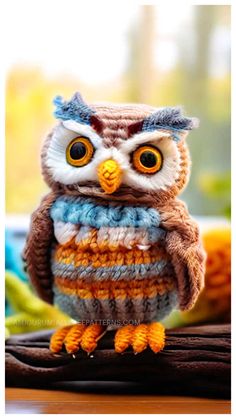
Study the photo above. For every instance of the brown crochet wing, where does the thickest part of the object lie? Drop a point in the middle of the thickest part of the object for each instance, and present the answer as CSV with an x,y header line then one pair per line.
x,y
37,251
185,249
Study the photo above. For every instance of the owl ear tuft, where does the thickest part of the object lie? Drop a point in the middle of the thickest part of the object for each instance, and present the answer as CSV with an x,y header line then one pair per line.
x,y
171,119
75,109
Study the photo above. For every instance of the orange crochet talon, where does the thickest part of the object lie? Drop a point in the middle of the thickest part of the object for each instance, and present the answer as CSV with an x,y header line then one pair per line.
x,y
123,338
73,338
156,337
140,338
91,336
57,339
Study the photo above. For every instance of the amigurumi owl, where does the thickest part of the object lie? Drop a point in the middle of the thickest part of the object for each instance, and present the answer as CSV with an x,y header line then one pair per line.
x,y
111,244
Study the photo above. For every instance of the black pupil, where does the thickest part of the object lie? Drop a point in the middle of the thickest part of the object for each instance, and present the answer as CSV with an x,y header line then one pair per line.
x,y
148,159
77,151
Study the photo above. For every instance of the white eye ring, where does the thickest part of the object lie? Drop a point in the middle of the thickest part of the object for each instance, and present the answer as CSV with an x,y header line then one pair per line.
x,y
169,173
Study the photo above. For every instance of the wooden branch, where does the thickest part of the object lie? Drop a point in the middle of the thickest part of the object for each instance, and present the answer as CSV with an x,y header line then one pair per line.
x,y
195,361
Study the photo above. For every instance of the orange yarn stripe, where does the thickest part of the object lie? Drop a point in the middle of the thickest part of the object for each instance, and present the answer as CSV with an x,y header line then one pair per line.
x,y
112,289
69,254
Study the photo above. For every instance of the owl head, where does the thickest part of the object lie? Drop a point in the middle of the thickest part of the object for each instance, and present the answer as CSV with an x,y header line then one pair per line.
x,y
117,151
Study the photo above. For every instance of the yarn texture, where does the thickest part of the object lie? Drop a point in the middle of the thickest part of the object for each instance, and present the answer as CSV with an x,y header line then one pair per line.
x,y
90,292
111,243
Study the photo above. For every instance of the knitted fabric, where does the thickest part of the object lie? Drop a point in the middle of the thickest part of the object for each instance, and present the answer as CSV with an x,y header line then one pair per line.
x,y
115,124
110,262
168,118
134,253
182,245
74,109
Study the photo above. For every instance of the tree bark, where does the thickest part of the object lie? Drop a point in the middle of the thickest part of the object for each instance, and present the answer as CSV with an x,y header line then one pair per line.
x,y
195,361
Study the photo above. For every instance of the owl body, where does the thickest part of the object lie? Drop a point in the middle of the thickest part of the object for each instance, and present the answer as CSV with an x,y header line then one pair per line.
x,y
110,263
111,241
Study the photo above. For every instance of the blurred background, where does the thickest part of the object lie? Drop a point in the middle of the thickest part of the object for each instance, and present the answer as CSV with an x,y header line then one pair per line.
x,y
120,53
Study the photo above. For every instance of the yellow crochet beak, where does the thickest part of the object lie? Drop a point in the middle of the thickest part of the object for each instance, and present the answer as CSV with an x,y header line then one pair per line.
x,y
109,175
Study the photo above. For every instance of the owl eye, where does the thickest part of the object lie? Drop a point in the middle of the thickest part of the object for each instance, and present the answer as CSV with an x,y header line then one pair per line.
x,y
147,159
79,152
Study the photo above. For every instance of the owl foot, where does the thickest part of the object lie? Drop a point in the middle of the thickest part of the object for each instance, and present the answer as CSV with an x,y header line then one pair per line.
x,y
140,337
74,337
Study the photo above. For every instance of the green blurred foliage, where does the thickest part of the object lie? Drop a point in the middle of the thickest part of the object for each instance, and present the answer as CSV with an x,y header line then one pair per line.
x,y
218,187
30,313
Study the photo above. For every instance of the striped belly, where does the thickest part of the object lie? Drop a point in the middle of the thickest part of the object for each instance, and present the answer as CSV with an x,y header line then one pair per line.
x,y
114,274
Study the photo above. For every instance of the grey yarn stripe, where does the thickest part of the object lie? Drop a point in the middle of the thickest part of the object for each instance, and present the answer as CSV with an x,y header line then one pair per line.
x,y
115,273
139,309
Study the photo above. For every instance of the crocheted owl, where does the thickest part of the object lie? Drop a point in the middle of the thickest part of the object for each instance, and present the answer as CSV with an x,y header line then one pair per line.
x,y
111,244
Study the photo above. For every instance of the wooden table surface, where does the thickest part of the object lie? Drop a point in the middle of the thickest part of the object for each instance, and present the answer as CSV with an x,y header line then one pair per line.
x,y
21,400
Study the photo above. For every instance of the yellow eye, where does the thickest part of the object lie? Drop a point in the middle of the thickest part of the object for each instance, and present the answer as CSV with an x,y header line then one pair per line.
x,y
79,152
147,159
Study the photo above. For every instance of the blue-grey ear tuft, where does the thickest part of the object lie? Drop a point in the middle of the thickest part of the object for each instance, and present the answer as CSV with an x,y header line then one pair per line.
x,y
75,109
171,119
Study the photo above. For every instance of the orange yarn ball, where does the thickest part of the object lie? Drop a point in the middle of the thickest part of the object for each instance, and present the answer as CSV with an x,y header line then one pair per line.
x,y
214,302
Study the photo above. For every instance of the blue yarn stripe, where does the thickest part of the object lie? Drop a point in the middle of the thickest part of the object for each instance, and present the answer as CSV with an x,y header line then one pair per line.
x,y
78,210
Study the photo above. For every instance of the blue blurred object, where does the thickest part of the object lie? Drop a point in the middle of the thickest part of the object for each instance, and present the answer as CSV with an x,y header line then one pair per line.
x,y
14,242
13,248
